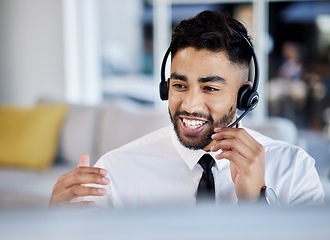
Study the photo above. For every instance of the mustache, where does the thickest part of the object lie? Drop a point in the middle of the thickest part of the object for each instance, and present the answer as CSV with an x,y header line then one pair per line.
x,y
195,114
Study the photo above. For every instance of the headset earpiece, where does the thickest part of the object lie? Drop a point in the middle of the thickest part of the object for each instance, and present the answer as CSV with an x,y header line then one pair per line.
x,y
163,89
164,85
247,98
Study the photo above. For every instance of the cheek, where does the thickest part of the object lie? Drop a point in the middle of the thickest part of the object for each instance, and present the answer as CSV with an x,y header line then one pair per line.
x,y
173,104
223,102
174,99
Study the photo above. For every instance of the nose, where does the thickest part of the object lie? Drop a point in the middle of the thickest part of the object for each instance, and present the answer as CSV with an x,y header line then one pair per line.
x,y
193,101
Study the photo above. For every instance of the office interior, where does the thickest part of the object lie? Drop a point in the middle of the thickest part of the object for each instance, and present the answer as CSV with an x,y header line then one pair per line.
x,y
95,52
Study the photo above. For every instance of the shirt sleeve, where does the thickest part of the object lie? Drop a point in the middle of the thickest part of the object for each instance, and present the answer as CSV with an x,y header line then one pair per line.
x,y
307,187
291,172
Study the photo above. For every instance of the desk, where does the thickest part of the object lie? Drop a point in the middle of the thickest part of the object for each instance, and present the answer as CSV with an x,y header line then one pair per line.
x,y
175,222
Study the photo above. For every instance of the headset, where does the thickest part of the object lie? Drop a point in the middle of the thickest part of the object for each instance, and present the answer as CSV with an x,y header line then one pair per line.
x,y
248,96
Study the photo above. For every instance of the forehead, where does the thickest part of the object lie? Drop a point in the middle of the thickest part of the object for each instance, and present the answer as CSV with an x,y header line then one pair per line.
x,y
195,63
190,53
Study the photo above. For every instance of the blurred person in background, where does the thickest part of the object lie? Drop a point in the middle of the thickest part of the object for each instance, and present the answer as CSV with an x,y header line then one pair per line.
x,y
288,91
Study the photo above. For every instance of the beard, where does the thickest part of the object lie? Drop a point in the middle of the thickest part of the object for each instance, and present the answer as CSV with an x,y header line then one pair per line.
x,y
200,141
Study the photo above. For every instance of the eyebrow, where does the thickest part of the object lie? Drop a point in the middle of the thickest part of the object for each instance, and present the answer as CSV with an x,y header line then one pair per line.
x,y
212,79
200,80
178,76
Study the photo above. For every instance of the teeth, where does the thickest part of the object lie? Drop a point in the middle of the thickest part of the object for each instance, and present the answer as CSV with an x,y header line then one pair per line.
x,y
193,123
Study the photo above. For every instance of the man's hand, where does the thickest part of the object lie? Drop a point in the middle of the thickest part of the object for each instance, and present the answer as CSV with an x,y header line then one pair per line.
x,y
247,161
70,188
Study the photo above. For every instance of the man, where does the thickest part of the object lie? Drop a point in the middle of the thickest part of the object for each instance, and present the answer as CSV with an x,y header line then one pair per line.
x,y
210,61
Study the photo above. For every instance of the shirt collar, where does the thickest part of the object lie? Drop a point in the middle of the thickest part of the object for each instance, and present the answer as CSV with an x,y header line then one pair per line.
x,y
191,157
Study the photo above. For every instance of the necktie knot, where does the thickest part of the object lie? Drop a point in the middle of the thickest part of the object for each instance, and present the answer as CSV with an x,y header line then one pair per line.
x,y
206,162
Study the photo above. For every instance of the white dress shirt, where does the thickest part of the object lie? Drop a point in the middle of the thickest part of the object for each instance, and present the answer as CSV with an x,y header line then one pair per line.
x,y
157,169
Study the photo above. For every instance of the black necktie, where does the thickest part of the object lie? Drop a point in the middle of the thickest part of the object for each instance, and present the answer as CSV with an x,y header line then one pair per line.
x,y
205,189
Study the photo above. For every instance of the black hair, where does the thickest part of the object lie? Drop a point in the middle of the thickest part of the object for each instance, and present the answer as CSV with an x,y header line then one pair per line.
x,y
214,31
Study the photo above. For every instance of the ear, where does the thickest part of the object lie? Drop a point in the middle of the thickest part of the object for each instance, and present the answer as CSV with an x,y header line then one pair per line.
x,y
247,83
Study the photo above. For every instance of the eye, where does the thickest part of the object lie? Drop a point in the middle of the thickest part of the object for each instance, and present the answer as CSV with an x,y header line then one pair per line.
x,y
179,86
210,89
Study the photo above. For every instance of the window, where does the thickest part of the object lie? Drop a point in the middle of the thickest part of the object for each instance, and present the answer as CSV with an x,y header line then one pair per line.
x,y
133,41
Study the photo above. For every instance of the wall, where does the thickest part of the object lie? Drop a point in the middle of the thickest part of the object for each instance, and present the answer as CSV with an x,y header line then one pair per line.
x,y
31,50
121,33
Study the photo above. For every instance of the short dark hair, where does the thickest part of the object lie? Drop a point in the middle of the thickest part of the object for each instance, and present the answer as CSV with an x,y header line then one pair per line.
x,y
214,31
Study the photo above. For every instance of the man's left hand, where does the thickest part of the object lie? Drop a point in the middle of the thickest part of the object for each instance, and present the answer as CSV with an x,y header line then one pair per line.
x,y
247,161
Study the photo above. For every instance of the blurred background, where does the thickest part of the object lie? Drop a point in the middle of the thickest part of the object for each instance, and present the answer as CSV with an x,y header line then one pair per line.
x,y
91,52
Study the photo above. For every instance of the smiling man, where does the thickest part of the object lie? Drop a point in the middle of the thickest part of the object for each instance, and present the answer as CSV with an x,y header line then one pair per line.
x,y
182,164
203,94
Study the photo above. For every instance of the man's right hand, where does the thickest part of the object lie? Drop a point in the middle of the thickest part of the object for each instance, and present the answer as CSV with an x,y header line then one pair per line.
x,y
70,188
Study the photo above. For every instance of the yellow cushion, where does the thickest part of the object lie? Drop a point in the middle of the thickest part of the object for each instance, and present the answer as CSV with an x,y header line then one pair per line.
x,y
29,136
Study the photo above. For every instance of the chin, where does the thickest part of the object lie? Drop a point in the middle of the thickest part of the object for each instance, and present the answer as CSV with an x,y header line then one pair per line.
x,y
193,142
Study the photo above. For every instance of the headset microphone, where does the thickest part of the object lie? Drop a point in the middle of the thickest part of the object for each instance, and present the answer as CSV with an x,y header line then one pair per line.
x,y
247,98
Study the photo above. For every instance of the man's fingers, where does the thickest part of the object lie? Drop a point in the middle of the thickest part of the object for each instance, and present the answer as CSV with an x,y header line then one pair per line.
x,y
72,185
77,191
232,138
84,160
81,191
81,177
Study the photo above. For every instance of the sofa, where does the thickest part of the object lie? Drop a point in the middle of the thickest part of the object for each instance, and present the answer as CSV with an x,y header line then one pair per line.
x,y
84,129
96,130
